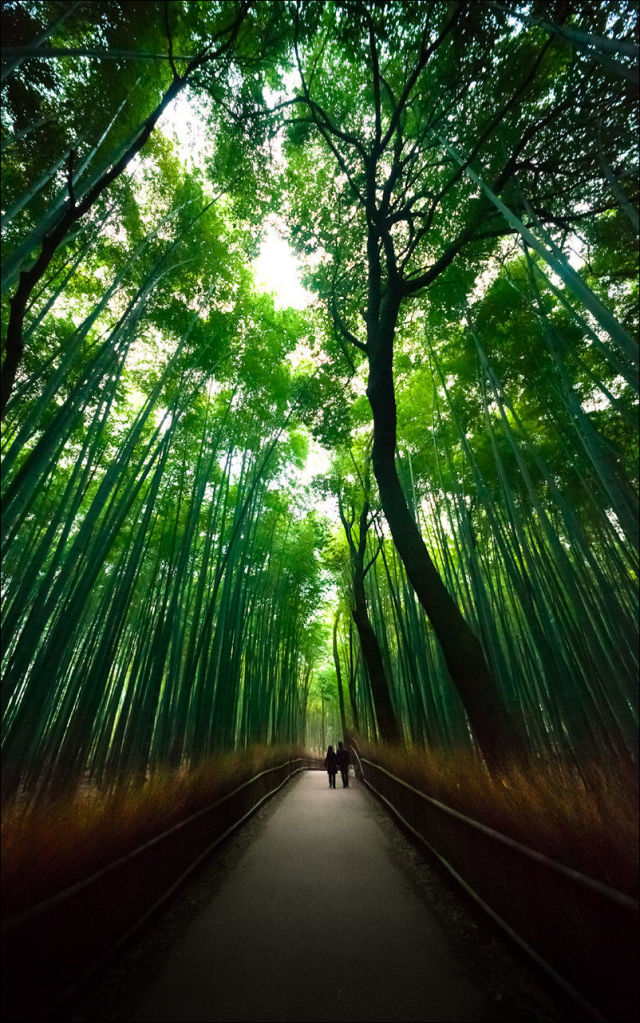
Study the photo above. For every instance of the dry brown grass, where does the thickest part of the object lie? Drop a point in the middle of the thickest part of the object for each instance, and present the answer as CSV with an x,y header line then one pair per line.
x,y
587,818
48,846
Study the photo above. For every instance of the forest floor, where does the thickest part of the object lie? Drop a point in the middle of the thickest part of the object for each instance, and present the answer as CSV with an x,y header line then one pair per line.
x,y
318,909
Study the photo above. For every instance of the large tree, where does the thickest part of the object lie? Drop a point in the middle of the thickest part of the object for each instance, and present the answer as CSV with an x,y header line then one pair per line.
x,y
354,505
419,135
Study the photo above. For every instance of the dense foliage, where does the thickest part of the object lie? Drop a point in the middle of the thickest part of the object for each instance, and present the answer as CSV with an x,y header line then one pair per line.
x,y
457,180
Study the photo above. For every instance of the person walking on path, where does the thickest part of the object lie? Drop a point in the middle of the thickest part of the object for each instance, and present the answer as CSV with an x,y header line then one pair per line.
x,y
342,759
331,764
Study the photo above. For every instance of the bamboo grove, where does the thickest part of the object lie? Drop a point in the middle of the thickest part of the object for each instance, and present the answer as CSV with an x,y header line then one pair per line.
x,y
457,180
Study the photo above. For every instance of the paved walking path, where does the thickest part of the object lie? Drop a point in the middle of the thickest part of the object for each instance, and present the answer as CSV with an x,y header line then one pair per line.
x,y
318,920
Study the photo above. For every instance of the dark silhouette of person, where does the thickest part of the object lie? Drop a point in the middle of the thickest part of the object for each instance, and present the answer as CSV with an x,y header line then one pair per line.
x,y
331,764
343,761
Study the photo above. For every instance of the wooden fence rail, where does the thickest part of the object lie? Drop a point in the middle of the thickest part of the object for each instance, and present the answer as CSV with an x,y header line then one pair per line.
x,y
582,933
53,947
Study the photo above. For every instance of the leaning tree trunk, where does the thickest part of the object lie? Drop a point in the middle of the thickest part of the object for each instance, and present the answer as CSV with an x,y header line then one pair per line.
x,y
388,727
74,211
336,661
76,207
498,737
387,722
352,684
372,656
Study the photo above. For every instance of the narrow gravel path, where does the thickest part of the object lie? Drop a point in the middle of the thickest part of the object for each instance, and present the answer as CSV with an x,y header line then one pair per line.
x,y
322,917
316,923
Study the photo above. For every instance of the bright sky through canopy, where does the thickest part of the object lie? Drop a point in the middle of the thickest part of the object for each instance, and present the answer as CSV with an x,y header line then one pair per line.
x,y
276,267
276,271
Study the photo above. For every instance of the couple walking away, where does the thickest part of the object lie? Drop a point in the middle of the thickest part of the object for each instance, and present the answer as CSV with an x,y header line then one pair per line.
x,y
337,760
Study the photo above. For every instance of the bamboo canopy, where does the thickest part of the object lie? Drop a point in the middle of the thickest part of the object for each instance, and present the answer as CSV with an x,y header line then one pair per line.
x,y
181,574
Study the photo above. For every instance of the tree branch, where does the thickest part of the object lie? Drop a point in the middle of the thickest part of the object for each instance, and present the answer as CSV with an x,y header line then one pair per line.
x,y
55,52
342,327
70,172
424,56
373,559
492,125
169,38
376,80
